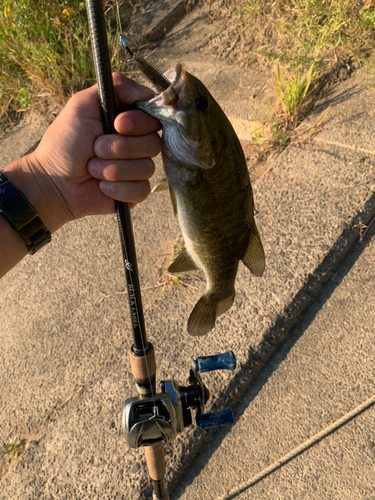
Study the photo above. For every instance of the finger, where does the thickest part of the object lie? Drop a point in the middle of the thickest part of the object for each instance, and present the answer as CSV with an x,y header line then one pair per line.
x,y
120,147
86,102
135,122
128,192
128,91
121,170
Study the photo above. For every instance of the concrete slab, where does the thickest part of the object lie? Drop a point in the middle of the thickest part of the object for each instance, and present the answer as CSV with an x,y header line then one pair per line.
x,y
156,18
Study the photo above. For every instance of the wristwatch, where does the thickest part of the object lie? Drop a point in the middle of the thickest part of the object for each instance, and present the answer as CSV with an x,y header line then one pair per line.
x,y
22,216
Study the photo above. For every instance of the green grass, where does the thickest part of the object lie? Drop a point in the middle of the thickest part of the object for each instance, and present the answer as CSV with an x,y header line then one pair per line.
x,y
14,448
294,98
45,53
303,32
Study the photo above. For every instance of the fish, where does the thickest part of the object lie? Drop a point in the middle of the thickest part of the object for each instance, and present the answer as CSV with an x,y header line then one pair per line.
x,y
210,190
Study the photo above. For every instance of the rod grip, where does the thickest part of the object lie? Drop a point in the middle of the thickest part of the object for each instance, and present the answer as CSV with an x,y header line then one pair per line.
x,y
155,461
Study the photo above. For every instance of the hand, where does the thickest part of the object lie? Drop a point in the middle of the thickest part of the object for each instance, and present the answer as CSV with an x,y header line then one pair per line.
x,y
78,171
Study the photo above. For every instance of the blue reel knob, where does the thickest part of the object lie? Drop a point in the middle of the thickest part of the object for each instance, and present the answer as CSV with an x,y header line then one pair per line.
x,y
225,361
209,420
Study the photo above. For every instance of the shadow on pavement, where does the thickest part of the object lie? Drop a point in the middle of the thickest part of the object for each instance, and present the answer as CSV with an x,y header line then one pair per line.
x,y
306,319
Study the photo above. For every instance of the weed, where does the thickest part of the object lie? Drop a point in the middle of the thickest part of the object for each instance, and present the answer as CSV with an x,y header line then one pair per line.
x,y
368,19
361,226
304,31
178,279
14,448
45,53
294,97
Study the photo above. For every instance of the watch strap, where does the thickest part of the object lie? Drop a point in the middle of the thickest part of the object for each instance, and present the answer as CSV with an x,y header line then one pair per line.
x,y
22,216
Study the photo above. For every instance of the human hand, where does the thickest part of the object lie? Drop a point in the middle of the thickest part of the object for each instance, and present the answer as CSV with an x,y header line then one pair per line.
x,y
78,171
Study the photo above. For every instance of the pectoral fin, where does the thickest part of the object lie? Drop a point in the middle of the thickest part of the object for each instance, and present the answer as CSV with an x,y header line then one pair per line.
x,y
253,257
182,263
164,186
160,186
173,201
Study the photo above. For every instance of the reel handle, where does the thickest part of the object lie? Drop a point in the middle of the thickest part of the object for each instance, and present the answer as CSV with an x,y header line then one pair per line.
x,y
224,361
218,419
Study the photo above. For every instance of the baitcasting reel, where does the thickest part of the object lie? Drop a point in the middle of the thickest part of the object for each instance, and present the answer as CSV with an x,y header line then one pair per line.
x,y
149,420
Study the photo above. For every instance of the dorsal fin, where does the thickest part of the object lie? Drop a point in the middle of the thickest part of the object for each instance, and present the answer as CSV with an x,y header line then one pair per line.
x,y
254,258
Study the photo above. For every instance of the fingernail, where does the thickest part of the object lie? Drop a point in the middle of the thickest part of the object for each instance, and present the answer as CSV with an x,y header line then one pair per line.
x,y
126,125
106,187
103,147
95,167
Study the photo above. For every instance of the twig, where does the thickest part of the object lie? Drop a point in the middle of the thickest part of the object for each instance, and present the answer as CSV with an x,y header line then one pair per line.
x,y
229,495
182,282
338,189
154,286
346,146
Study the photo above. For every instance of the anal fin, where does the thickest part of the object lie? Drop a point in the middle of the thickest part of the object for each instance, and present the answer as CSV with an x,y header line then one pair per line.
x,y
182,263
253,257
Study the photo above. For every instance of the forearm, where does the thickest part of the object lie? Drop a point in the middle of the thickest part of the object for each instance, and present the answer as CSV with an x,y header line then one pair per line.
x,y
39,191
12,247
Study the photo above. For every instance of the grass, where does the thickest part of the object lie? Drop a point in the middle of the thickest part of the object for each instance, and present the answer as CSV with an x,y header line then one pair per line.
x,y
294,96
305,32
304,41
14,448
45,53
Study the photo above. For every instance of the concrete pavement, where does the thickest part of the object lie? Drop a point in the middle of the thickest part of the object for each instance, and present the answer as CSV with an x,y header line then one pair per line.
x,y
64,372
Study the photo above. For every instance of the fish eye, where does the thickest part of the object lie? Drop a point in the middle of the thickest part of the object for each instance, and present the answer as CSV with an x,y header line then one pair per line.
x,y
201,103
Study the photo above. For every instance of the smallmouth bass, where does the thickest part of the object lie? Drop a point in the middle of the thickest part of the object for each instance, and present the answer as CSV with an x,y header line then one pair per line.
x,y
210,190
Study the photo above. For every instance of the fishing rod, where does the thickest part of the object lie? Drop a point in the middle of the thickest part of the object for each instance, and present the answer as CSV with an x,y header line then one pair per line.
x,y
149,420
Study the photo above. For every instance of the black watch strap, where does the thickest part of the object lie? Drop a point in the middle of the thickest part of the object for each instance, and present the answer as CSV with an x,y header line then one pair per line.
x,y
22,216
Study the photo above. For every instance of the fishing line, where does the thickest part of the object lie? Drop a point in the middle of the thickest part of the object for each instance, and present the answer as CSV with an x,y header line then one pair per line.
x,y
118,15
153,76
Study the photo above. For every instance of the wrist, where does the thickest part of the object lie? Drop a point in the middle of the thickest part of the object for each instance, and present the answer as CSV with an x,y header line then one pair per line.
x,y
39,189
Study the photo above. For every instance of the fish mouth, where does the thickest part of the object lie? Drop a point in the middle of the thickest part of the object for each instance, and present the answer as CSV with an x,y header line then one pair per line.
x,y
168,97
174,74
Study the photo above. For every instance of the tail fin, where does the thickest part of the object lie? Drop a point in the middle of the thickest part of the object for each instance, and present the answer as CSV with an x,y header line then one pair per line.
x,y
207,309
